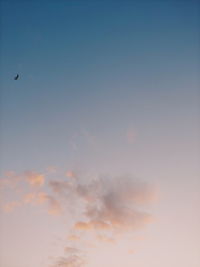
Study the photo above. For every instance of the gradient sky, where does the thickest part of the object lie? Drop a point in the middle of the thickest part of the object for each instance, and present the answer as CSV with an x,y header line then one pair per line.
x,y
106,88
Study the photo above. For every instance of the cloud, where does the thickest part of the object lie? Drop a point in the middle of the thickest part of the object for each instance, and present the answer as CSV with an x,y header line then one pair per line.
x,y
10,180
113,203
13,180
92,225
71,174
58,187
9,173
106,203
70,250
39,198
73,237
71,261
105,239
54,206
30,198
99,202
131,251
51,169
34,178
131,136
103,207
106,207
73,258
10,206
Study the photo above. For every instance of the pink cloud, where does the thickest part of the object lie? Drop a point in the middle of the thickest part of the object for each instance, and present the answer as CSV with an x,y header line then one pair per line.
x,y
10,206
131,136
103,206
34,178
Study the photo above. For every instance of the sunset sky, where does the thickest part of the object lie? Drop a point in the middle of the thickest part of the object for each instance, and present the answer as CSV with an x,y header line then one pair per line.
x,y
100,135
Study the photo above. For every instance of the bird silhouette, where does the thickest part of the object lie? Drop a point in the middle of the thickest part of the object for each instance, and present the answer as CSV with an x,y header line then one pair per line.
x,y
16,77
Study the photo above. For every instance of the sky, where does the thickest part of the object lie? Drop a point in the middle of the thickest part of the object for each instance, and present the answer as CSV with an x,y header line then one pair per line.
x,y
100,135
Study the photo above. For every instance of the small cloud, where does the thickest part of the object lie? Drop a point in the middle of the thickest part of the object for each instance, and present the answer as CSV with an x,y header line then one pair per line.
x,y
35,178
36,198
70,174
54,206
91,225
70,250
105,239
90,138
82,226
10,180
131,251
73,237
9,174
4,182
73,142
9,207
29,198
39,198
59,187
131,136
51,169
71,261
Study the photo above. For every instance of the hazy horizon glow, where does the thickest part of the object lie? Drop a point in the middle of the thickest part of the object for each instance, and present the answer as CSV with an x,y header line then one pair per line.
x,y
100,135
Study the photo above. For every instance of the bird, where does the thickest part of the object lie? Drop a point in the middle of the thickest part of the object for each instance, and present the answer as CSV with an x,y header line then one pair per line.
x,y
16,77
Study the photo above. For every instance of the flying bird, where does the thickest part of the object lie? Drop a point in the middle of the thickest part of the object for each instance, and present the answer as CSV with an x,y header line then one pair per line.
x,y
16,77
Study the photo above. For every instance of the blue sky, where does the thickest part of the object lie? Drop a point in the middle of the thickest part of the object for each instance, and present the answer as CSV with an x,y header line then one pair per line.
x,y
124,59
105,86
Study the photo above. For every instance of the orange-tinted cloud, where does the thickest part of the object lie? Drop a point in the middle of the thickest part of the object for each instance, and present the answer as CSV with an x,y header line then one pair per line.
x,y
131,136
74,258
10,206
101,206
106,203
73,237
106,239
70,174
54,207
114,203
71,261
34,178
91,225
10,180
29,198
71,250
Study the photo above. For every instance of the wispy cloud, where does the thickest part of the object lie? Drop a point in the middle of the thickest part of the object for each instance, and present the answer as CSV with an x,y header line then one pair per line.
x,y
114,203
51,169
73,258
70,174
71,261
97,205
35,178
131,136
10,206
